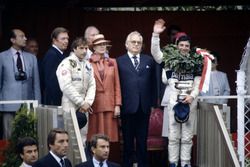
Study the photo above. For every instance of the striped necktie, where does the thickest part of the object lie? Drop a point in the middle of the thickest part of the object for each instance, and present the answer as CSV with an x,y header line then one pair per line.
x,y
136,63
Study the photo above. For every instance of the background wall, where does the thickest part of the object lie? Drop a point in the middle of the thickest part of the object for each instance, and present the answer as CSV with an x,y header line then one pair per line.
x,y
226,32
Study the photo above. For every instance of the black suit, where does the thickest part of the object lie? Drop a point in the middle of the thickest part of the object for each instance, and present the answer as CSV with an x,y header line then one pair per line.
x,y
52,94
137,99
50,161
91,164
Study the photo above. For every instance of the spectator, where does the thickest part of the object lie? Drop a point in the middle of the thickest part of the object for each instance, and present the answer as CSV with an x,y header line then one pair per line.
x,y
52,94
58,145
218,85
89,34
137,75
19,78
107,102
76,79
172,31
27,148
100,148
32,46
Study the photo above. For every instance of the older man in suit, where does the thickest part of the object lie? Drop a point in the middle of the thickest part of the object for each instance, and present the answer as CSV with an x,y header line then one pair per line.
x,y
28,151
58,144
100,148
52,94
19,78
137,75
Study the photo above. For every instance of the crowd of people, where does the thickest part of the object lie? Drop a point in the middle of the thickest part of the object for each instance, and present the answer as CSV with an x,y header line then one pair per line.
x,y
105,89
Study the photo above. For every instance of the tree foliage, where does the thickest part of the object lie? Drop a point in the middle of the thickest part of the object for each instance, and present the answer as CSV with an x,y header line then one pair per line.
x,y
24,125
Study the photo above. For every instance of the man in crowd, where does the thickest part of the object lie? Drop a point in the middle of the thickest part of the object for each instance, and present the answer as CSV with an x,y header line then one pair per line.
x,y
32,46
19,78
58,145
52,94
89,34
100,148
28,151
76,80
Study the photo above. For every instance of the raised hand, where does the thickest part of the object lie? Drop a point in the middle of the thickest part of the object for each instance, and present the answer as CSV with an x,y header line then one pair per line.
x,y
159,26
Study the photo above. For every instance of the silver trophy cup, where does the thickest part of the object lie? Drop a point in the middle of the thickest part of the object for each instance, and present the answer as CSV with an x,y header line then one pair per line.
x,y
184,88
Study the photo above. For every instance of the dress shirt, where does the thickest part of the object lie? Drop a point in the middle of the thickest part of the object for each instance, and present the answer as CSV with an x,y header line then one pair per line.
x,y
96,163
57,49
14,51
56,157
26,165
132,59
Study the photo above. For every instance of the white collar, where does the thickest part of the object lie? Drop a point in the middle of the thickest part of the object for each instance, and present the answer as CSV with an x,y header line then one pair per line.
x,y
57,48
56,157
131,55
96,162
13,51
26,165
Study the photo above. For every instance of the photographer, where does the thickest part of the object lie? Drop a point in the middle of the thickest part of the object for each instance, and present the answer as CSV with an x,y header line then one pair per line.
x,y
19,78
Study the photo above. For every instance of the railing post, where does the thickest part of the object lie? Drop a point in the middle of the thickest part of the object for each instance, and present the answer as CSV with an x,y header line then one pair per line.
x,y
241,115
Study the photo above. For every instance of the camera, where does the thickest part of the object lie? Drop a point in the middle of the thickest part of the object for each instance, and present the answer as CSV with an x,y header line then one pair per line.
x,y
20,76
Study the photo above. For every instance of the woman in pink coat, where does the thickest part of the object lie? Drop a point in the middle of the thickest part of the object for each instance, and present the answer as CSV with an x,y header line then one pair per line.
x,y
106,106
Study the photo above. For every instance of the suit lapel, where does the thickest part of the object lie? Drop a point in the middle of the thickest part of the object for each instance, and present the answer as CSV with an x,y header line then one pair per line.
x,y
142,63
106,68
25,62
97,73
53,161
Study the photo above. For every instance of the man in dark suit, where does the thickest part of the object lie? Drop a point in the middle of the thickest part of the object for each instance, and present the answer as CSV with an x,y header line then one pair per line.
x,y
52,94
19,78
100,147
58,144
137,75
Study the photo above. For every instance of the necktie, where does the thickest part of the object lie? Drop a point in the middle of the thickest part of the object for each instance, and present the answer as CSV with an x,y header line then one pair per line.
x,y
136,63
101,164
62,163
19,63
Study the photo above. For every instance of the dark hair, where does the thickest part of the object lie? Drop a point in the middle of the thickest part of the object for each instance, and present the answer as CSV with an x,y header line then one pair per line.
x,y
171,28
94,139
77,42
57,31
183,38
31,39
25,141
12,34
52,136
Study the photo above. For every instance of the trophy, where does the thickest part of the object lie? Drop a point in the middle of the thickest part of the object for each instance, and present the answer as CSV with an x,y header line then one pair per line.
x,y
184,88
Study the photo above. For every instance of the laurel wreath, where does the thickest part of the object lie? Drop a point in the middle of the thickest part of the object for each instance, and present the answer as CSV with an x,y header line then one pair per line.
x,y
177,62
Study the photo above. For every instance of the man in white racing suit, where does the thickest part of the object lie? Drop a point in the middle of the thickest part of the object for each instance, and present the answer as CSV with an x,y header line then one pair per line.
x,y
180,134
76,79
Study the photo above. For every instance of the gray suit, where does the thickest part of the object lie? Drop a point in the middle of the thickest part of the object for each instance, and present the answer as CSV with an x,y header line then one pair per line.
x,y
218,86
10,88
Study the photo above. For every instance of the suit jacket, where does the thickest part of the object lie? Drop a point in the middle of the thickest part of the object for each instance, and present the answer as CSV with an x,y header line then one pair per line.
x,y
137,87
108,91
52,94
91,164
50,161
218,86
10,88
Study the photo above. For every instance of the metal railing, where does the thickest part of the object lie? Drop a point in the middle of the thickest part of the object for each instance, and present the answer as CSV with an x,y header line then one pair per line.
x,y
50,117
214,145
